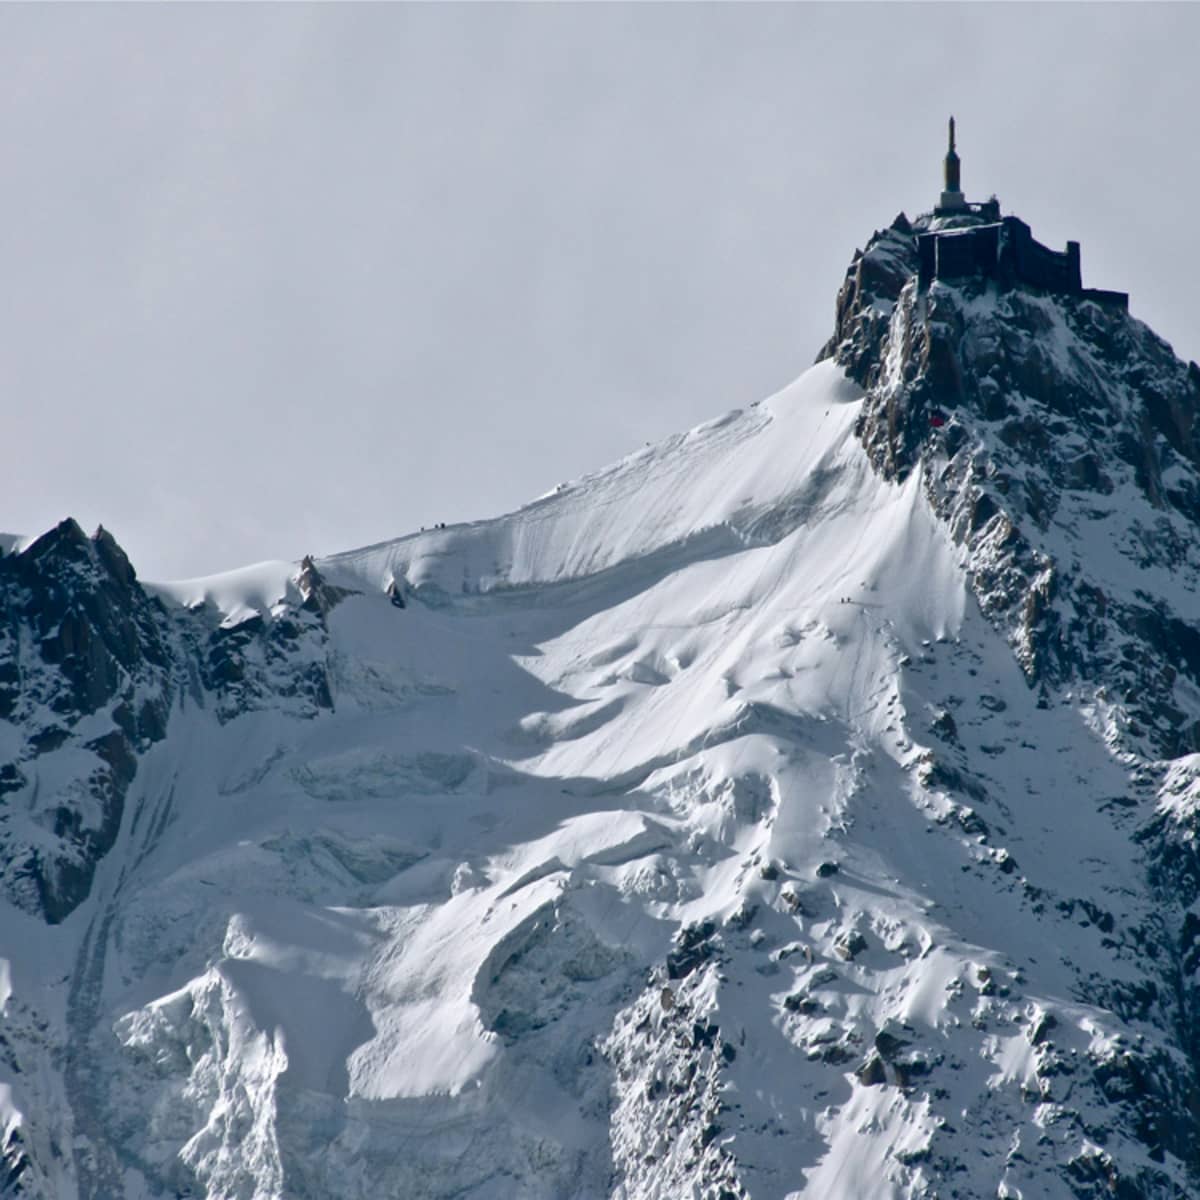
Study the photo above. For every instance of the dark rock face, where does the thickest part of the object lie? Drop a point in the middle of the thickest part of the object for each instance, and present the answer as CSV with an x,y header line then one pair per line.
x,y
265,659
1172,842
256,663
91,666
872,288
1056,438
90,621
693,947
85,667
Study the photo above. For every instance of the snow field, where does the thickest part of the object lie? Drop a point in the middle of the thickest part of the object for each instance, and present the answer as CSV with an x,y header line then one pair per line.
x,y
633,860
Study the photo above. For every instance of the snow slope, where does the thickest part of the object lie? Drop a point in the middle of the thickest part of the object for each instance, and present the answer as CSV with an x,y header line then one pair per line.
x,y
684,834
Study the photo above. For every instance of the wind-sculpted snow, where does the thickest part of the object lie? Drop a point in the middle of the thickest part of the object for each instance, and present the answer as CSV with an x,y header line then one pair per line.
x,y
708,492
697,830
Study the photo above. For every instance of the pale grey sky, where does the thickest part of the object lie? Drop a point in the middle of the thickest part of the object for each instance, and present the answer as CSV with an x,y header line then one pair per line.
x,y
277,279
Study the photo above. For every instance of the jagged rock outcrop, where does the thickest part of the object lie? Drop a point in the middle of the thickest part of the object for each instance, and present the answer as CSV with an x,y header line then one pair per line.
x,y
86,674
263,659
319,595
91,664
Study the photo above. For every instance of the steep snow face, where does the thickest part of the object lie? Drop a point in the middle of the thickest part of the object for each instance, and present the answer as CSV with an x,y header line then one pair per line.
x,y
689,832
747,478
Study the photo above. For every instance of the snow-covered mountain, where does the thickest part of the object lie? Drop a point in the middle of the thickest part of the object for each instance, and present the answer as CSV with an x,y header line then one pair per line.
x,y
805,806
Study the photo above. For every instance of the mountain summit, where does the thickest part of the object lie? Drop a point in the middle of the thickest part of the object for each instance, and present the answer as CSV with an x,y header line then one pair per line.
x,y
805,806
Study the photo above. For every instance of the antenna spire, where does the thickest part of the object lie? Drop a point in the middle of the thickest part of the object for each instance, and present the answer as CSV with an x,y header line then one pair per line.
x,y
953,184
